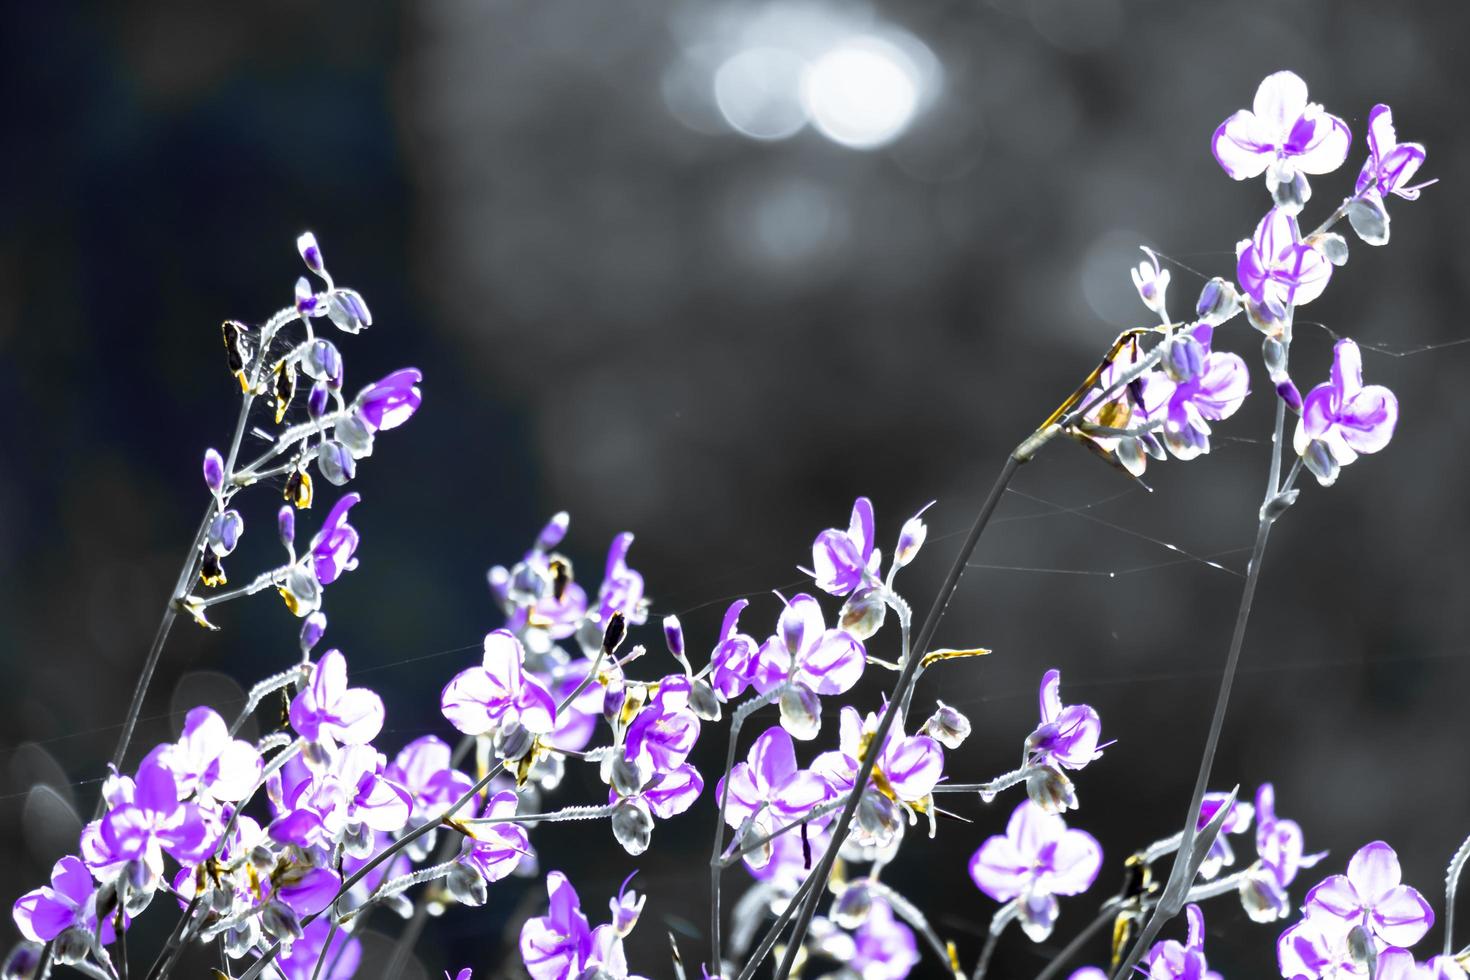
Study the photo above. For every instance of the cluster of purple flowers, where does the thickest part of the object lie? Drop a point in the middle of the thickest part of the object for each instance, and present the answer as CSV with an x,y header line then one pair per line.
x,y
337,828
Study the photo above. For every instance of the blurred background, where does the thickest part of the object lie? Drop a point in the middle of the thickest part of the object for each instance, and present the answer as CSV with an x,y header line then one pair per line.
x,y
705,271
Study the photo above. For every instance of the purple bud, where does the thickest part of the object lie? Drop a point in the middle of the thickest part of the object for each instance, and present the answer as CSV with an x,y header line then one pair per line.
x,y
1289,394
312,630
316,401
305,300
214,471
347,311
1051,790
310,253
286,525
322,361
911,537
225,531
626,908
1184,358
801,712
1218,302
674,637
551,535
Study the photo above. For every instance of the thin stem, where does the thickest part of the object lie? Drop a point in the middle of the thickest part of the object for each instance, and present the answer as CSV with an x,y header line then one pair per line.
x,y
768,941
1070,950
595,812
747,846
900,688
737,721
322,956
1182,873
998,925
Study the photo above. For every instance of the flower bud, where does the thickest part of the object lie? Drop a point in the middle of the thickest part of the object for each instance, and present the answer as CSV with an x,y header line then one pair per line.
x,y
214,471
863,613
1271,318
311,254
703,700
301,590
632,827
1261,896
1288,186
224,532
877,818
547,771
279,921
1369,219
1288,392
512,741
1362,948
1184,358
322,361
71,946
626,777
1051,790
241,939
335,463
853,905
22,961
306,301
312,630
674,637
1332,245
1274,354
1319,459
947,726
237,350
347,311
286,525
316,401
357,840
613,633
911,537
554,531
466,886
356,435
801,712
1218,302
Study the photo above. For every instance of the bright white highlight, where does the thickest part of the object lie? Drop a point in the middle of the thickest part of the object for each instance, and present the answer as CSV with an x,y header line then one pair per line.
x,y
862,93
755,91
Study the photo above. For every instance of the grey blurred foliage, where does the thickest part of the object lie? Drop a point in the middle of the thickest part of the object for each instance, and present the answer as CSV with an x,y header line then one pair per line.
x,y
624,309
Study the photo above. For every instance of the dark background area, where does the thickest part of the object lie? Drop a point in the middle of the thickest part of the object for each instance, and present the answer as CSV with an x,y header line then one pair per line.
x,y
626,309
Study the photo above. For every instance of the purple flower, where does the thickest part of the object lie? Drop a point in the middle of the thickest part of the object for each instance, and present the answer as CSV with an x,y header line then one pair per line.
x,y
805,652
423,768
552,945
207,761
771,788
135,833
498,693
880,948
1171,960
622,588
333,546
1281,129
735,660
1068,734
1372,894
626,908
340,963
1345,416
328,712
389,403
1390,164
663,733
1037,859
1276,269
1279,856
842,560
1212,391
908,767
340,805
497,848
1317,947
665,795
69,901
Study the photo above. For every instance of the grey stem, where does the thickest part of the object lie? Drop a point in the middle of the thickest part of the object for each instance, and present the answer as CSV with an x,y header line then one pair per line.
x,y
1451,885
900,689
